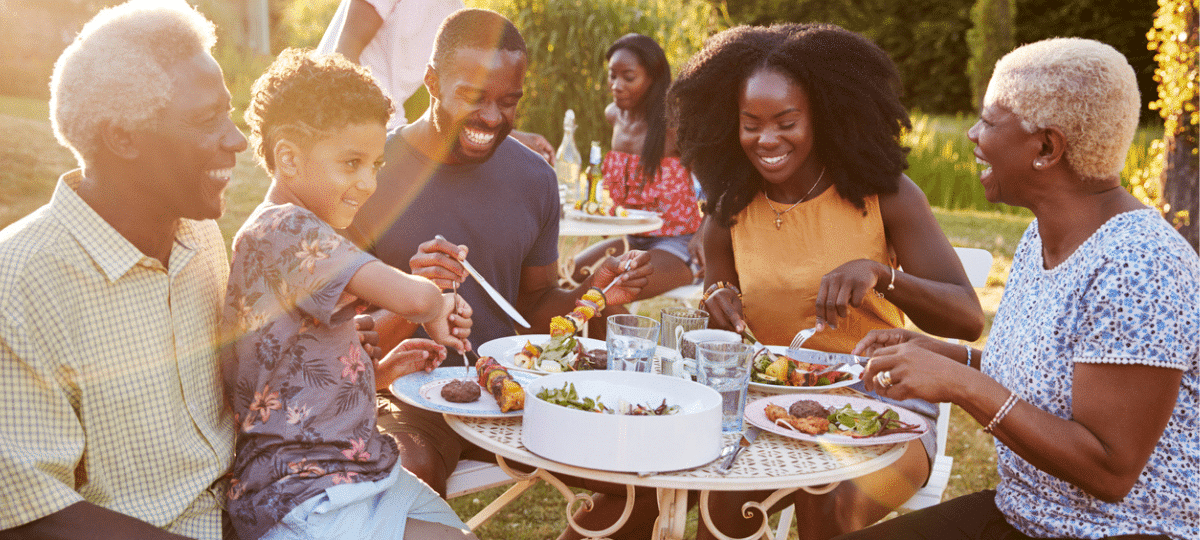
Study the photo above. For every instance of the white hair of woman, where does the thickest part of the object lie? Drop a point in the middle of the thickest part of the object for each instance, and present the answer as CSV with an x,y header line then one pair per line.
x,y
1084,88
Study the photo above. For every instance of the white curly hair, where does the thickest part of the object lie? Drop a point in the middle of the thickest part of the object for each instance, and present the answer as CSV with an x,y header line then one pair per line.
x,y
116,70
1083,87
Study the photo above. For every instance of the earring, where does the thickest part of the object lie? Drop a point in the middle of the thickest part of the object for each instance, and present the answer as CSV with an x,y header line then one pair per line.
x,y
1039,164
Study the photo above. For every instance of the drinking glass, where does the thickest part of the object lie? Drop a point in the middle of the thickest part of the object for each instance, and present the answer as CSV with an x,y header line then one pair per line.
x,y
631,342
725,367
687,346
677,320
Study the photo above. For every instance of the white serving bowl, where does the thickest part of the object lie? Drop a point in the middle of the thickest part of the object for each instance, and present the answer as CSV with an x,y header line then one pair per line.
x,y
624,443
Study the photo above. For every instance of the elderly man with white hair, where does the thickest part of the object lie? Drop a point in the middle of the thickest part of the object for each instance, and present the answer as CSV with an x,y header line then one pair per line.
x,y
114,425
1091,375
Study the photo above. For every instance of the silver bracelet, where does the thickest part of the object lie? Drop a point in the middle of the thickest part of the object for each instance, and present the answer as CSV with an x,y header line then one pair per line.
x,y
1000,414
891,284
969,356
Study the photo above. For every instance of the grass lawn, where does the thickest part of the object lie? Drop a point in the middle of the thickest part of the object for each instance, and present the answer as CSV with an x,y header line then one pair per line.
x,y
33,160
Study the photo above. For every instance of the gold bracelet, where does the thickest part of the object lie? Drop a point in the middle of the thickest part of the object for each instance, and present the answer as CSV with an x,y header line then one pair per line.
x,y
1000,414
712,289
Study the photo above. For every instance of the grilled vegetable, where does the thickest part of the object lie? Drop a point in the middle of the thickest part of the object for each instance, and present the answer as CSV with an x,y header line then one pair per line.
x,y
508,392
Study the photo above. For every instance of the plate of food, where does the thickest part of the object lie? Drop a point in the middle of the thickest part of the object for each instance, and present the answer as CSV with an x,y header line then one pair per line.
x,y
620,215
540,354
780,378
835,419
450,390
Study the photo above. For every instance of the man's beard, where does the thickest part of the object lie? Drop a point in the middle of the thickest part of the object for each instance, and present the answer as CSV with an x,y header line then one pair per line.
x,y
445,127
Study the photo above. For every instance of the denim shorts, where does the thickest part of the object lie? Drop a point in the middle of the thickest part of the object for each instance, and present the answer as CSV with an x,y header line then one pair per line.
x,y
675,245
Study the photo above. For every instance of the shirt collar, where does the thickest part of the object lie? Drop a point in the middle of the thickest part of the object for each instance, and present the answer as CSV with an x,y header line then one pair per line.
x,y
112,252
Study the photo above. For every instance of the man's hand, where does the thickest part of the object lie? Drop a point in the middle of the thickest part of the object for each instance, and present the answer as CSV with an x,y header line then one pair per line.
x,y
438,260
537,143
633,269
368,336
410,356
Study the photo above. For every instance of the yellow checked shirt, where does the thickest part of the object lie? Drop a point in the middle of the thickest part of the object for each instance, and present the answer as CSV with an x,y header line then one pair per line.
x,y
108,370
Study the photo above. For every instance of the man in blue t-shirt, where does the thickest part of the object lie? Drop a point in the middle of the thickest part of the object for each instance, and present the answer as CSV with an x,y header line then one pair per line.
x,y
455,173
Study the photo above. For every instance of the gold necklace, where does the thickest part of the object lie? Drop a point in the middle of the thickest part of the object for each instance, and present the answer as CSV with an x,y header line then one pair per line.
x,y
779,214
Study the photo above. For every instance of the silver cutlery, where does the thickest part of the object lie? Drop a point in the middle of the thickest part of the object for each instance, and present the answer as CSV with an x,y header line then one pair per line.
x,y
801,337
492,292
748,437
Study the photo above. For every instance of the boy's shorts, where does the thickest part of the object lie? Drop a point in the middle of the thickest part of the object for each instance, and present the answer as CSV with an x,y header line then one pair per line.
x,y
376,510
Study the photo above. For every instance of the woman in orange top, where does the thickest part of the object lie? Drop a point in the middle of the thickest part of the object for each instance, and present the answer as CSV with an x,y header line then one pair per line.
x,y
793,131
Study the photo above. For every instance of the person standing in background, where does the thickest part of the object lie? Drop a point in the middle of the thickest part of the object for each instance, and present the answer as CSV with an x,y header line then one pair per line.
x,y
394,39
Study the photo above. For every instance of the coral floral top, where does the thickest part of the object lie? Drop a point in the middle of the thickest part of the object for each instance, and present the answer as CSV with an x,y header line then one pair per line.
x,y
670,193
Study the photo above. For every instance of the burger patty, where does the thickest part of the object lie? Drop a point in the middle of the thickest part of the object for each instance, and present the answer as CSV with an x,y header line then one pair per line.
x,y
806,408
460,391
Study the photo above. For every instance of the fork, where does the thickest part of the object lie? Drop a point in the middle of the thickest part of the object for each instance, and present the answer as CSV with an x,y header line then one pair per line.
x,y
801,337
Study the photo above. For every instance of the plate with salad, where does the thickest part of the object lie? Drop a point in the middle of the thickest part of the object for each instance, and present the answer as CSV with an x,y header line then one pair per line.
x,y
836,419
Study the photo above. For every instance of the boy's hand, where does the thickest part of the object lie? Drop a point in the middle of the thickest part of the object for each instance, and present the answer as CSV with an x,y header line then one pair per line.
x,y
453,326
410,356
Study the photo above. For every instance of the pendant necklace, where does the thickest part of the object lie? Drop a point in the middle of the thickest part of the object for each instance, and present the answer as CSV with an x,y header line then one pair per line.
x,y
779,214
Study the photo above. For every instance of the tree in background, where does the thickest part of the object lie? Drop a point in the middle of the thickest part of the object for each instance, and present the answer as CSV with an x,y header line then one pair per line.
x,y
567,40
1170,181
990,38
925,38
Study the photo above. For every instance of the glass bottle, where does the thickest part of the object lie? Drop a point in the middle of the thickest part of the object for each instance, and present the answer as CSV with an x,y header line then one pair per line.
x,y
591,204
567,162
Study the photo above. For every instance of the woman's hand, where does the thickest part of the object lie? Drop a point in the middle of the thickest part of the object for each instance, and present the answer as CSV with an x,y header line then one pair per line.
x,y
724,308
878,339
633,271
909,370
410,356
846,285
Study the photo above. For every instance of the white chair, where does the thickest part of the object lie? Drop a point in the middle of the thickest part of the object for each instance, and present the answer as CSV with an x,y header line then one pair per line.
x,y
977,263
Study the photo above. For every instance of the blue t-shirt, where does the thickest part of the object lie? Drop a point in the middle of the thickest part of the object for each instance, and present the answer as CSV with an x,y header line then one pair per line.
x,y
1127,295
505,210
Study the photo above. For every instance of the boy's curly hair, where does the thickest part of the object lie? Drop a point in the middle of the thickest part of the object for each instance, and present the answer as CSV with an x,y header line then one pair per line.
x,y
853,93
306,96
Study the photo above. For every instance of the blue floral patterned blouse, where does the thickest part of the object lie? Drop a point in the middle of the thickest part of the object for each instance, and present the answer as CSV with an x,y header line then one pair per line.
x,y
1128,295
301,385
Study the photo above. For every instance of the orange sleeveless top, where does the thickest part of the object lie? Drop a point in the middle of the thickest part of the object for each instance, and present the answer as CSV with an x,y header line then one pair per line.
x,y
780,270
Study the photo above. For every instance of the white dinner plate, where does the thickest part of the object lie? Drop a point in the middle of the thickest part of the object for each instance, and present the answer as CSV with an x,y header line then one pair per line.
x,y
635,216
505,350
424,390
755,415
784,389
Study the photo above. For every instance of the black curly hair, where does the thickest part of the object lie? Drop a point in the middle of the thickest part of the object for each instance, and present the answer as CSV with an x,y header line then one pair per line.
x,y
306,96
654,61
853,92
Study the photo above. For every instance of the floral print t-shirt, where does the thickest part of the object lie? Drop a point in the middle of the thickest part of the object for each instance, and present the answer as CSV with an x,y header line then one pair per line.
x,y
670,193
1127,295
301,386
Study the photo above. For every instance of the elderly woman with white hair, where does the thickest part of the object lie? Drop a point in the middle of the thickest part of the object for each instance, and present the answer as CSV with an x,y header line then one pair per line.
x,y
1090,379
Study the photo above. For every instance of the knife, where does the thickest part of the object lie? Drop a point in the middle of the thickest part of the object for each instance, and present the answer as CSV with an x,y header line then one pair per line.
x,y
492,292
748,437
833,360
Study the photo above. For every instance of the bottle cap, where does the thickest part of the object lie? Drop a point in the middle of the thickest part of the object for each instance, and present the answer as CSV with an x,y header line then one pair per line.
x,y
569,119
594,156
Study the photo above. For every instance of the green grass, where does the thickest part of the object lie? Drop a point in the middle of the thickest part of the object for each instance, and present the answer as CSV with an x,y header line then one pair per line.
x,y
33,161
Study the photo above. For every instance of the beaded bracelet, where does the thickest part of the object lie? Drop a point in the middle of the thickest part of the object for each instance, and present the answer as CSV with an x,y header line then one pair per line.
x,y
712,289
891,284
969,355
1000,414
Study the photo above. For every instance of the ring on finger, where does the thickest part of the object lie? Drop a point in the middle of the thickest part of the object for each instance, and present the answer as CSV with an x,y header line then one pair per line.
x,y
884,379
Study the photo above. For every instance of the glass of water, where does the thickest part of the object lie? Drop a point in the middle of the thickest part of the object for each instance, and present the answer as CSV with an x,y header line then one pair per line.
x,y
631,342
725,367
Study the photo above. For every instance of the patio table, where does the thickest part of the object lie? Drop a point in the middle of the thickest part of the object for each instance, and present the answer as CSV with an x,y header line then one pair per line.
x,y
773,462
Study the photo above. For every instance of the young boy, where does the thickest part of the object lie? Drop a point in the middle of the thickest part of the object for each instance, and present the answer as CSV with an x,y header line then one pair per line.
x,y
309,461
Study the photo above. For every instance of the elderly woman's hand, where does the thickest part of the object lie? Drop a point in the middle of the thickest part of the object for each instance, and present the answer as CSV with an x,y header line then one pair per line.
x,y
910,370
632,270
846,285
